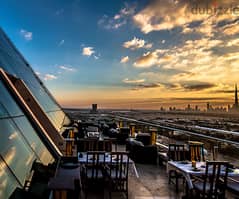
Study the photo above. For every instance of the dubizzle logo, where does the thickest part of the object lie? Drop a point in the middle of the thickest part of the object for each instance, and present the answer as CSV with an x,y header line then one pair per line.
x,y
215,8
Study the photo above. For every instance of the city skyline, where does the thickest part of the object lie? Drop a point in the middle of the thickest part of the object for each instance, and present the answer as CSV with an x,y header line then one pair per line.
x,y
131,54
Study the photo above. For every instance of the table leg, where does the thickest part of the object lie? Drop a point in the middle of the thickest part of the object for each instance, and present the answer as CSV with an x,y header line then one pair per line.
x,y
188,192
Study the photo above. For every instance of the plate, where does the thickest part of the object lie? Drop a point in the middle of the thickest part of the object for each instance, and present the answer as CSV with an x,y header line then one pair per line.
x,y
196,169
183,162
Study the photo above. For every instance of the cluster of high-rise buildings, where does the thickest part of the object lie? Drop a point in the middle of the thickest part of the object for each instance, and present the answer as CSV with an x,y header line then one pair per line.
x,y
209,108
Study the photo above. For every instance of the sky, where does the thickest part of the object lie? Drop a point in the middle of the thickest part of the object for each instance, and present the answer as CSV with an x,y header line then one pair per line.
x,y
129,54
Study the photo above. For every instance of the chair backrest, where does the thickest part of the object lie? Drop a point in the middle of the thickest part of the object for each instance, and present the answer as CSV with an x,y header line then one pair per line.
x,y
196,151
215,179
176,152
95,161
119,166
106,145
87,144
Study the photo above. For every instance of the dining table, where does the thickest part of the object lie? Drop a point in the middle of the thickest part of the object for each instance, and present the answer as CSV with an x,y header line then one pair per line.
x,y
186,169
82,159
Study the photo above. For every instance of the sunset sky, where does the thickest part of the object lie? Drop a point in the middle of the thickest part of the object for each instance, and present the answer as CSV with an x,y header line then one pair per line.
x,y
129,54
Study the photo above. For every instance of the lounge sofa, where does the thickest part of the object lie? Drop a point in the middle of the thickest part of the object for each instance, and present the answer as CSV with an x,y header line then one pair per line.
x,y
140,153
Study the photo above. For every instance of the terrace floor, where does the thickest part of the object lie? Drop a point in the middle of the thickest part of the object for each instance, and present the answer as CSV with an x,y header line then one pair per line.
x,y
151,184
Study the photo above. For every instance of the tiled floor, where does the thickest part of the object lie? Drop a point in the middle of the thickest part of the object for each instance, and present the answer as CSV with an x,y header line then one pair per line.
x,y
151,184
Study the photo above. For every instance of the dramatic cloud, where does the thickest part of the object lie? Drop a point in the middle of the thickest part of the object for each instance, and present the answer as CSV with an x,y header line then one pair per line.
x,y
88,51
124,59
137,43
165,15
66,68
203,99
135,81
197,86
146,86
225,91
26,34
61,42
48,77
231,29
119,19
147,60
96,57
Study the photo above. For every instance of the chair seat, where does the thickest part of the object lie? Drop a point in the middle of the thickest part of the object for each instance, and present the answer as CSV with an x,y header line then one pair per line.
x,y
116,175
214,181
93,174
174,176
233,186
199,186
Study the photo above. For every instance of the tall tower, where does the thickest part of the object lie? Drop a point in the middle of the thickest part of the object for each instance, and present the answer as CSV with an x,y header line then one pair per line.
x,y
236,97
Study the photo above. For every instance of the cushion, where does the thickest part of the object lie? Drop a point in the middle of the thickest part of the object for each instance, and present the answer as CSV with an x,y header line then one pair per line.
x,y
136,142
145,138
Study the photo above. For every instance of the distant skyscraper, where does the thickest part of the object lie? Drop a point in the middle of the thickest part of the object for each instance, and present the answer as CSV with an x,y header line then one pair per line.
x,y
236,98
208,106
235,107
94,108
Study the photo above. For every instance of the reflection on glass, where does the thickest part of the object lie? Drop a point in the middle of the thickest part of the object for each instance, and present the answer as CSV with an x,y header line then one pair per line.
x,y
15,151
9,104
7,182
13,63
3,112
13,136
58,119
32,138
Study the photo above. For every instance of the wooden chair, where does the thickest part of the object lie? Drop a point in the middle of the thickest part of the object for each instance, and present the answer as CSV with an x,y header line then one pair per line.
x,y
233,185
92,171
87,144
117,173
176,152
107,145
214,182
196,151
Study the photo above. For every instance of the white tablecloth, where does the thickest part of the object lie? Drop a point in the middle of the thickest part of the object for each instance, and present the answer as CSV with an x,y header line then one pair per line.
x,y
187,171
82,159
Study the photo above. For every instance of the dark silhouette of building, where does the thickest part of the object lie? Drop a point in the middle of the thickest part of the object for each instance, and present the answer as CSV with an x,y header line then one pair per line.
x,y
235,106
209,107
94,108
236,98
